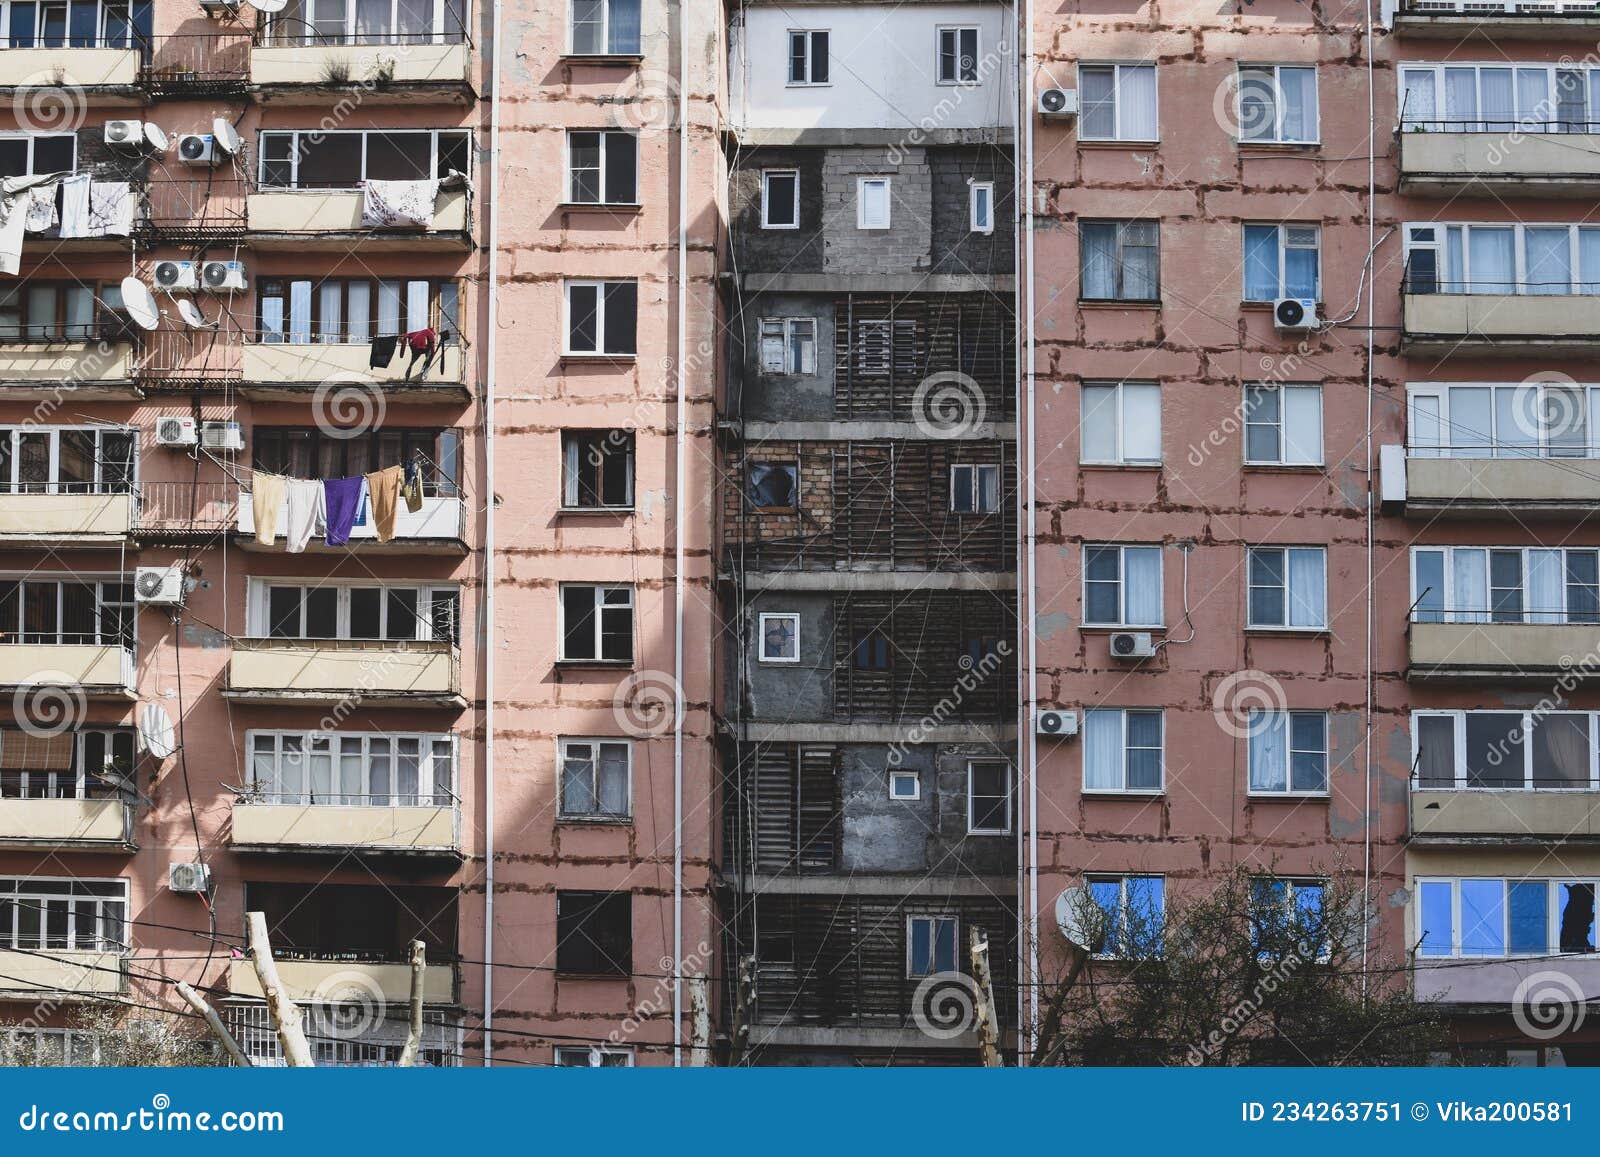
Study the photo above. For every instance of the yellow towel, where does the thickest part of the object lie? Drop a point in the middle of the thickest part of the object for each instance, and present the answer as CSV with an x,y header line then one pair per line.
x,y
383,490
266,495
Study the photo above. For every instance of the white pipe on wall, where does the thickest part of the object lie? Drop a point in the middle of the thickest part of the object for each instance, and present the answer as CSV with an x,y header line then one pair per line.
x,y
679,506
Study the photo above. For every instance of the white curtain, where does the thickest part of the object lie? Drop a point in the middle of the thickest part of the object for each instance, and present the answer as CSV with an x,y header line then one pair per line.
x,y
1141,422
1098,424
1471,427
416,306
1418,107
1589,257
1137,95
1532,91
1102,749
1495,99
359,329
1546,586
1308,587
1549,259
388,307
300,312
1269,752
1302,424
1298,91
1469,572
1425,427
1460,98
1099,244
332,320
1492,254
1142,579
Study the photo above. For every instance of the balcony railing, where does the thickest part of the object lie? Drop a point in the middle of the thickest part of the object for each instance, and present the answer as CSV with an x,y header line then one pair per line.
x,y
1535,155
299,215
1500,651
1491,316
67,974
203,209
198,64
99,670
422,823
66,822
68,513
293,53
174,510
370,671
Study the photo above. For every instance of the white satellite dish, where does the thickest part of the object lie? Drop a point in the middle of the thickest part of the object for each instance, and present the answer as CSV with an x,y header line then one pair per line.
x,y
140,303
155,732
190,312
227,137
155,138
1072,906
270,5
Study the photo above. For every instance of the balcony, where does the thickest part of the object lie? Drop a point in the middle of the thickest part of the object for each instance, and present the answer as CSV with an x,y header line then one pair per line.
x,y
82,369
81,824
98,671
346,981
1427,485
102,71
373,672
1501,324
285,70
1472,815
1465,981
196,65
308,219
292,370
438,528
1498,19
356,826
65,974
1499,652
1443,162
66,520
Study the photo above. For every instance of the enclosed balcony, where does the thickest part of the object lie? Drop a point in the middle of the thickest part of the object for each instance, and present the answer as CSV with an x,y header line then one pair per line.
x,y
76,520
359,824
421,52
95,671
1496,20
65,937
1445,163
276,369
1499,652
373,672
309,219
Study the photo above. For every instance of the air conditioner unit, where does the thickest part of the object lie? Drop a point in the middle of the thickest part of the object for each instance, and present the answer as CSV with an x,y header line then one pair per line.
x,y
125,134
190,879
1132,645
174,275
222,436
1058,103
1056,724
1295,313
214,7
160,586
223,276
175,432
199,149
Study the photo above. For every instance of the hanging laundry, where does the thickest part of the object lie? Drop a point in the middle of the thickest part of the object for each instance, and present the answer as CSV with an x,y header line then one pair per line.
x,y
75,206
343,498
361,510
384,487
422,343
42,207
304,499
266,496
398,204
412,486
383,347
110,209
16,203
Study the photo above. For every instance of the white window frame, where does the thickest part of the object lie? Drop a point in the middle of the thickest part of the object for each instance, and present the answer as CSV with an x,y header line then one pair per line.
x,y
11,481
601,284
600,607
1287,588
564,745
935,920
1118,68
1434,237
980,194
565,1056
259,610
296,151
1289,791
1292,887
969,476
32,138
761,636
338,746
1111,949
1453,612
71,782
808,35
16,889
1283,247
572,445
1431,430
605,33
958,31
788,331
1011,787
1282,389
766,197
601,177
1124,747
861,202
1526,729
1552,886
1120,433
305,32
1522,120
104,588
1122,549
1278,104
901,775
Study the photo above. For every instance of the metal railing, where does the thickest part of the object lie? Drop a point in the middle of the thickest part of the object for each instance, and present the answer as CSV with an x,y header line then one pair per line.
x,y
189,357
1529,8
291,32
438,797
1550,122
186,62
1423,284
203,208
177,508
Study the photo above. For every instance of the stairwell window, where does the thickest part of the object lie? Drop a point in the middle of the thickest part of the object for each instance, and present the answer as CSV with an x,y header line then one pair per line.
x,y
1477,584
1288,752
594,933
1282,425
595,778
808,56
45,460
1119,261
605,27
1277,104
596,623
1121,424
780,198
1122,586
974,488
1288,587
597,472
780,637
602,167
981,206
602,318
988,798
1118,102
788,345
932,945
1282,261
872,202
1122,750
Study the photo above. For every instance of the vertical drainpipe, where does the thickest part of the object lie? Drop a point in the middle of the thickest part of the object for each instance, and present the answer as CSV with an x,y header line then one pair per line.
x,y
1030,704
1371,271
489,634
679,507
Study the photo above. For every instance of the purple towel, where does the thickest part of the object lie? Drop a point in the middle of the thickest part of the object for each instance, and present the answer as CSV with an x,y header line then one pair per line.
x,y
343,501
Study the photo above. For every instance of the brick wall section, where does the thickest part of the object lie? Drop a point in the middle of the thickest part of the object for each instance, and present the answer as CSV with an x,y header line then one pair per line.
x,y
904,247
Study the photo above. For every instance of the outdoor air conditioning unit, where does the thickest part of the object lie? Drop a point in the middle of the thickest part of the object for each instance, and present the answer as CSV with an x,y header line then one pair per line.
x,y
217,7
223,276
199,149
125,134
1132,645
160,586
1058,103
1056,724
174,275
175,432
191,879
1295,313
227,436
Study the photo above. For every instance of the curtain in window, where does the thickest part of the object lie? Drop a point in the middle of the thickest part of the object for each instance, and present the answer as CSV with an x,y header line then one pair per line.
x,y
299,312
331,324
1470,574
388,307
1471,430
1099,242
1298,89
1137,94
1144,749
1097,92
613,779
1436,750
360,301
1492,256
1495,99
1269,751
372,20
1102,750
1141,422
1142,579
1418,106
625,27
1549,260
1532,111
1589,258
1308,591
1302,425
1561,750
416,306
1546,584
1260,262
1300,271
1461,99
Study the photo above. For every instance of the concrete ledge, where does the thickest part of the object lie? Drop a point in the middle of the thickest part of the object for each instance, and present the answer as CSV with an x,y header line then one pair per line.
x,y
879,283
1462,980
1475,813
1500,651
342,981
1497,26
68,975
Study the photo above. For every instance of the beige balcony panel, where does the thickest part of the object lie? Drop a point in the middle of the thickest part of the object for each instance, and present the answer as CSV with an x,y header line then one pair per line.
x,y
65,821
312,64
438,522
73,975
307,826
339,211
339,364
1501,650
286,671
65,517
1514,322
335,981
1438,813
69,67
1494,982
1553,164
68,363
1477,484
98,670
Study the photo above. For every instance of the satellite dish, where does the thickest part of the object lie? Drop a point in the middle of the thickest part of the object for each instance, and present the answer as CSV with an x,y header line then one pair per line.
x,y
226,136
190,312
1071,907
270,5
155,138
140,303
155,731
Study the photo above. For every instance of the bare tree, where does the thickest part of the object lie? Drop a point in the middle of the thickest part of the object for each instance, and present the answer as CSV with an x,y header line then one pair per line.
x,y
111,1036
